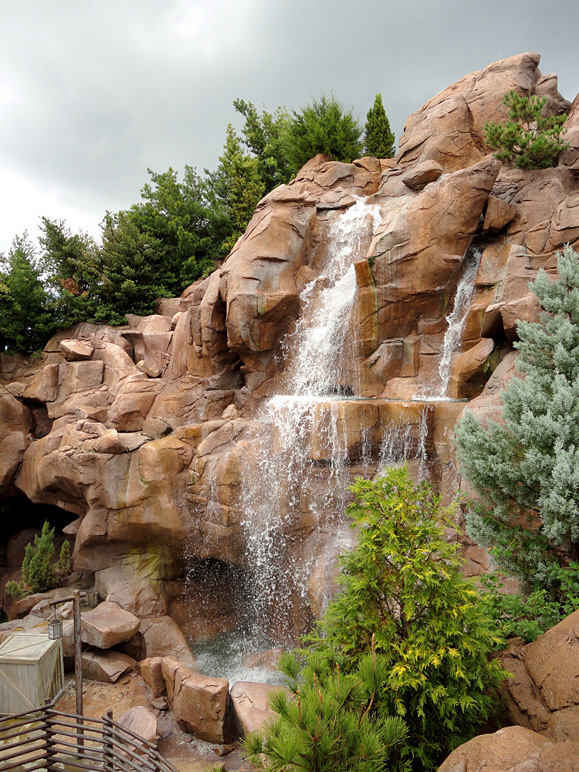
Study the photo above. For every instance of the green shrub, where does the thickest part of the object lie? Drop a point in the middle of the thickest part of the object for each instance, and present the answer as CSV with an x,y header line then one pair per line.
x,y
15,589
322,127
527,140
39,573
64,565
530,614
333,721
404,603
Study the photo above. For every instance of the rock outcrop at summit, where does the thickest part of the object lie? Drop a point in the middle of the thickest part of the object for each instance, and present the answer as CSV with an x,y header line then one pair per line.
x,y
145,434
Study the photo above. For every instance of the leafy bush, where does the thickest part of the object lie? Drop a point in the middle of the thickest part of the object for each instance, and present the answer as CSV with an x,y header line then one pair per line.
x,y
529,615
39,573
527,140
525,470
404,603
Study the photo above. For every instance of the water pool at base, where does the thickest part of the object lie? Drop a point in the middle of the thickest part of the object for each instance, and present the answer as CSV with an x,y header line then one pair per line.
x,y
227,656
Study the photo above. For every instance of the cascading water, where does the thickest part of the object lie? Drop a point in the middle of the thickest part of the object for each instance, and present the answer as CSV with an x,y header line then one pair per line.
x,y
401,443
456,320
299,443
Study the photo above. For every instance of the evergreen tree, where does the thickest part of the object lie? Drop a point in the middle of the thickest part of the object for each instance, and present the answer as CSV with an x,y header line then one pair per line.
x,y
174,217
322,127
28,319
406,622
71,263
234,190
526,469
332,722
133,270
264,136
527,140
378,137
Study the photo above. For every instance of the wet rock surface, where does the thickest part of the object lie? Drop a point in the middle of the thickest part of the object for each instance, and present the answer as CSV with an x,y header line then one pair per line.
x,y
159,438
203,453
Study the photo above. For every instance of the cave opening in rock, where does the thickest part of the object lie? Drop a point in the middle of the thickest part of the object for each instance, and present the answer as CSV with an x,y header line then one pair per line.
x,y
21,517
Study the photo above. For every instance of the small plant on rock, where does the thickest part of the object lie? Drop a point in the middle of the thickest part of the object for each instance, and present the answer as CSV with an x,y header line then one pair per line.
x,y
528,140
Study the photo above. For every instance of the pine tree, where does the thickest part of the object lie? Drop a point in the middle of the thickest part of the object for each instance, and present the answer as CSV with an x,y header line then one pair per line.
x,y
527,140
29,317
526,470
234,189
322,127
378,137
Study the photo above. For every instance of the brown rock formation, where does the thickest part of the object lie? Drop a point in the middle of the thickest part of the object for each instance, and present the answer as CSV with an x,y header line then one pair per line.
x,y
108,625
201,704
251,705
542,699
153,436
509,749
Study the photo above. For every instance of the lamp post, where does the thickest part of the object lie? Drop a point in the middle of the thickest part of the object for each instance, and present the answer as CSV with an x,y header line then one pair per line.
x,y
54,629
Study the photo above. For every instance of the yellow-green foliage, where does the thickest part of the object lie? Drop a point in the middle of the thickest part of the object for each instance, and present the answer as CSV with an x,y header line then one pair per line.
x,y
405,600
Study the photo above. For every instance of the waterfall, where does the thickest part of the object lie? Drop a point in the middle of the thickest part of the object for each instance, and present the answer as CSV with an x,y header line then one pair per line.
x,y
299,441
322,342
403,443
455,320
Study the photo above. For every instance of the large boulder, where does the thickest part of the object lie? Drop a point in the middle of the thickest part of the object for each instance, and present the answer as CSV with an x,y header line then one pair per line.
x,y
162,637
542,692
106,666
513,749
141,721
200,703
107,625
251,704
552,662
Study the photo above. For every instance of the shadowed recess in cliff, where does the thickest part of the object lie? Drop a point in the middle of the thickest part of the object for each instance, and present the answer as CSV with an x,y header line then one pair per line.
x,y
20,517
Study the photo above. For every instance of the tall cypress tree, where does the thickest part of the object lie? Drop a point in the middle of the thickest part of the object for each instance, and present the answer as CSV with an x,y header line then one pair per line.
x,y
378,137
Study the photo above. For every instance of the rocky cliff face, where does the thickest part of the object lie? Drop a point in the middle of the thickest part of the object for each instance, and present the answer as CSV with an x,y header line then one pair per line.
x,y
193,488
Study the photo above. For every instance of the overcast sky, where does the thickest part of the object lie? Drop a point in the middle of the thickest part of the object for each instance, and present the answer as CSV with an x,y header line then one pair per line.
x,y
93,92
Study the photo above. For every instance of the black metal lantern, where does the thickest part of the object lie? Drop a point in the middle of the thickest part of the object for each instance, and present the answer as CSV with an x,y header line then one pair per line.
x,y
54,629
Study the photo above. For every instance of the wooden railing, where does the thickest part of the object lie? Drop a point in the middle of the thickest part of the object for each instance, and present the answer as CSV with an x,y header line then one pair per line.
x,y
46,739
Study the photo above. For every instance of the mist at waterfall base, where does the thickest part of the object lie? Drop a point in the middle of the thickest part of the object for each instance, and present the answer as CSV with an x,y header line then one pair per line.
x,y
286,482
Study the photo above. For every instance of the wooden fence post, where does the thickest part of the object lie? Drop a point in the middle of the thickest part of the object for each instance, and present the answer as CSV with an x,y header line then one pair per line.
x,y
50,749
78,665
108,755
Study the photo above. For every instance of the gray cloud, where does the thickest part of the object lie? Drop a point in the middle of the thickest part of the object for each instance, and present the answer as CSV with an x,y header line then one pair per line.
x,y
94,92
